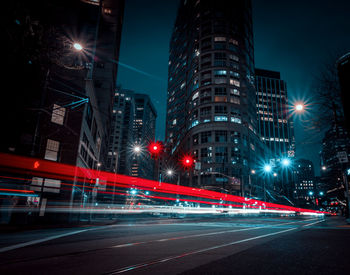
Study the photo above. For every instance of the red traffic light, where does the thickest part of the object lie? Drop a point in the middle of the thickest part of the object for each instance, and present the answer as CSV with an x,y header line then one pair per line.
x,y
187,161
155,148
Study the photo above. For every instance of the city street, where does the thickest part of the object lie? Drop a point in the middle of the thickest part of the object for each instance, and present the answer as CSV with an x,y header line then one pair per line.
x,y
222,245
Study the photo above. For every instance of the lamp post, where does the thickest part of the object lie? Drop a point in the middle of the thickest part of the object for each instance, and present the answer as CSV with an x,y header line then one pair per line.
x,y
267,170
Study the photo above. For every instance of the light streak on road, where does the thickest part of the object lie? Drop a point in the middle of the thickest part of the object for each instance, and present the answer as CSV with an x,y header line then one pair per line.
x,y
77,177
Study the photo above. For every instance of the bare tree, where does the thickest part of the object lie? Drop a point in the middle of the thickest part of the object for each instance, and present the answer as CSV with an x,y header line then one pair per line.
x,y
327,106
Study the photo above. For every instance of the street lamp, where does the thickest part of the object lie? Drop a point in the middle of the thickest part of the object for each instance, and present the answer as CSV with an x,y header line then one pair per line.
x,y
78,47
285,162
267,168
137,149
169,172
299,107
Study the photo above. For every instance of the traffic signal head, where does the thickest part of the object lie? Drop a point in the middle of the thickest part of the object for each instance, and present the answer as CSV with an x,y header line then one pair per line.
x,y
187,161
155,148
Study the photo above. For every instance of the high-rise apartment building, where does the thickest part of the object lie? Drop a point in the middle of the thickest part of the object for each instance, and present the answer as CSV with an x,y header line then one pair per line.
x,y
274,123
211,107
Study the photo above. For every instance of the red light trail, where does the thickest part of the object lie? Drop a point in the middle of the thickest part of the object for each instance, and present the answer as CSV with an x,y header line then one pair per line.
x,y
82,177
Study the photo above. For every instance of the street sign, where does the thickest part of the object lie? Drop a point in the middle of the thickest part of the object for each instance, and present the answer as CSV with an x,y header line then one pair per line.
x,y
342,156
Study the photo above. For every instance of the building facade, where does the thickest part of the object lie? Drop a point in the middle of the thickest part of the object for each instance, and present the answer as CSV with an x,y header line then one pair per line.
x,y
343,65
134,121
274,122
65,92
304,182
335,143
144,127
211,107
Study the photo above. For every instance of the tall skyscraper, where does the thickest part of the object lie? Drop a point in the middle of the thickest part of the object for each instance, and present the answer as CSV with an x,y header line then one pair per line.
x,y
121,136
143,132
211,107
134,121
274,123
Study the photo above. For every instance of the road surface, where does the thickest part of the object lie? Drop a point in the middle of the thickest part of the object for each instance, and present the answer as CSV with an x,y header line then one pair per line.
x,y
226,245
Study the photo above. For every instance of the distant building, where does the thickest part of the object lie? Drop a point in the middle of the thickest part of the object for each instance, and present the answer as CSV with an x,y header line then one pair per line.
x,y
211,103
335,143
134,122
274,123
143,132
121,137
304,182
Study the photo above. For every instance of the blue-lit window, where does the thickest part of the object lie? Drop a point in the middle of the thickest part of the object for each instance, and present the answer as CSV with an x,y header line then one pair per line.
x,y
236,120
220,118
206,120
220,73
194,123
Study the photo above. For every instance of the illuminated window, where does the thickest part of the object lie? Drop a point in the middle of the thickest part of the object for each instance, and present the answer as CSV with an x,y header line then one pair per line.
x,y
58,114
52,147
220,118
220,39
220,73
235,82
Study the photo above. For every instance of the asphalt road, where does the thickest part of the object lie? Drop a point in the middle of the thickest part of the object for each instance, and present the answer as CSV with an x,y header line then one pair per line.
x,y
236,245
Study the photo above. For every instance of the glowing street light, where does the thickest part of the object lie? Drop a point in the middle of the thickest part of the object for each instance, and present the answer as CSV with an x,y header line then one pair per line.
x,y
285,162
299,107
253,171
267,168
324,168
77,46
169,172
137,149
311,193
275,174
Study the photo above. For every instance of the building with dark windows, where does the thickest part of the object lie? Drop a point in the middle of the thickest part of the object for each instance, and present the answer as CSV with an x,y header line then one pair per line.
x,y
143,133
335,144
121,138
211,107
275,126
274,122
134,121
304,182
65,93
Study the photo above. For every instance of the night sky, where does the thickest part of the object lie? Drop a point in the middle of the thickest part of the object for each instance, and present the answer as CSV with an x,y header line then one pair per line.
x,y
293,37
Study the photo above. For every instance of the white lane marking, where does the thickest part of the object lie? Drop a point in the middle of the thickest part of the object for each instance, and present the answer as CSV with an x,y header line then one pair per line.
x,y
20,245
133,267
205,234
313,223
